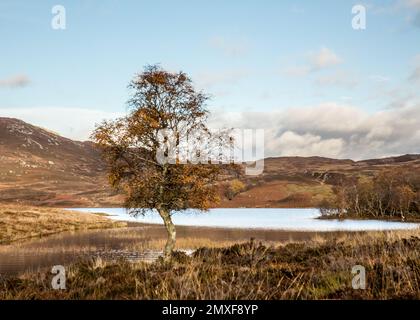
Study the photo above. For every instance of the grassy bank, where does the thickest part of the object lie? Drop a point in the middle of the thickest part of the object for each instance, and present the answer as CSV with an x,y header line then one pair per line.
x,y
24,222
319,269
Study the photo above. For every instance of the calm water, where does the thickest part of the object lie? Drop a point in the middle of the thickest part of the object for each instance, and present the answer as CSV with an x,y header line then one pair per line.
x,y
277,219
111,244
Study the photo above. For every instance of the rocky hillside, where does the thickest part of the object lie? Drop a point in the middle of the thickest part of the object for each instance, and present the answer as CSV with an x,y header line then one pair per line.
x,y
41,167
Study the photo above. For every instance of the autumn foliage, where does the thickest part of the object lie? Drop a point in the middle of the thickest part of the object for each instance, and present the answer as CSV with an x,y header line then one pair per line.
x,y
390,193
160,100
233,188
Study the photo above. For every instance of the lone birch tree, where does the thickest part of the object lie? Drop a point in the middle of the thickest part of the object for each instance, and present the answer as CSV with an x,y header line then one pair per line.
x,y
160,101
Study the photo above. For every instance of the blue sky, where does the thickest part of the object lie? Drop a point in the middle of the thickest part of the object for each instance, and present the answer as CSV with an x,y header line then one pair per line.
x,y
252,56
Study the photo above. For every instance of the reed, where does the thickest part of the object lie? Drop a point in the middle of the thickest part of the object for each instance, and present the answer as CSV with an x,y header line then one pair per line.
x,y
318,269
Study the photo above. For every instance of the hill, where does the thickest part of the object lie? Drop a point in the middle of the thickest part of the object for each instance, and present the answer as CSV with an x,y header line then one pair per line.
x,y
307,181
39,167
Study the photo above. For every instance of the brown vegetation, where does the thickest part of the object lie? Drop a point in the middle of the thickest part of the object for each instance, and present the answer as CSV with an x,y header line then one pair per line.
x,y
23,222
39,167
233,188
391,193
320,269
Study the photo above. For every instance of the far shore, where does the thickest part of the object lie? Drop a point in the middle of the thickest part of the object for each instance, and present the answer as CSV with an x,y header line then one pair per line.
x,y
407,218
22,223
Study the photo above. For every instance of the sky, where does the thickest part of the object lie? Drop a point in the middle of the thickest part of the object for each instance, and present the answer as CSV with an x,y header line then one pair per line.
x,y
297,69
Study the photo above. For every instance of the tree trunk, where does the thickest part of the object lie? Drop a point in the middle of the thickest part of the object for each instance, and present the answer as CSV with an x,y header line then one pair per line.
x,y
170,228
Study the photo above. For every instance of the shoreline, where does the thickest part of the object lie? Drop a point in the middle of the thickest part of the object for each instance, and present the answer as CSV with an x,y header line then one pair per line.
x,y
293,228
19,223
268,234
335,216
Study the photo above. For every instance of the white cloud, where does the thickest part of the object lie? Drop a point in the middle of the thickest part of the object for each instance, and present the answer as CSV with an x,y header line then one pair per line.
x,y
324,58
15,81
333,130
316,61
293,144
73,123
331,118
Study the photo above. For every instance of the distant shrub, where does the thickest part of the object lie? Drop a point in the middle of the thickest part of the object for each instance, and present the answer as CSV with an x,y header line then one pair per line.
x,y
233,188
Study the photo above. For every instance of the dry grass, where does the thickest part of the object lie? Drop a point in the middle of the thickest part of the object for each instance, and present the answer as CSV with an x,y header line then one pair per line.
x,y
181,244
319,269
23,222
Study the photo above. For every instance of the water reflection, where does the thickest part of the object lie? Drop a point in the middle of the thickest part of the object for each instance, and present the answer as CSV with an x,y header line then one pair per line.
x,y
144,241
133,243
